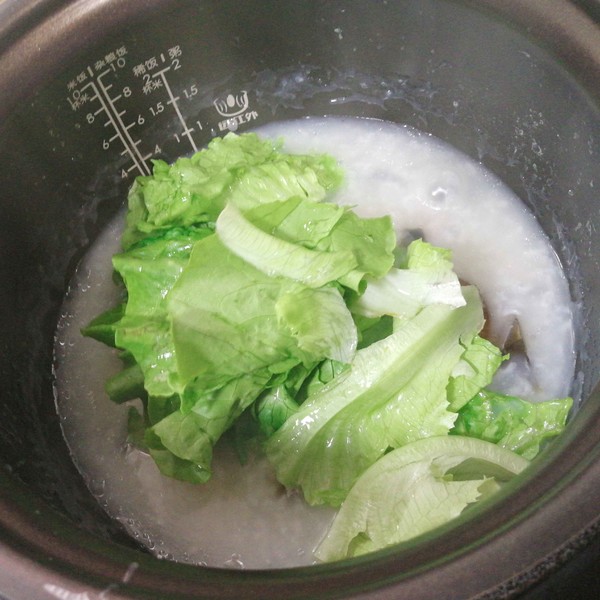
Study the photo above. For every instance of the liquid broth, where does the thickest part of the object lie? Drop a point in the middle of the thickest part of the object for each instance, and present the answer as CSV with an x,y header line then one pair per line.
x,y
243,518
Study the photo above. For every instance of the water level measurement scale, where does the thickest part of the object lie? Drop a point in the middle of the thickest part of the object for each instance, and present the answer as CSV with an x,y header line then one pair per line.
x,y
172,101
109,92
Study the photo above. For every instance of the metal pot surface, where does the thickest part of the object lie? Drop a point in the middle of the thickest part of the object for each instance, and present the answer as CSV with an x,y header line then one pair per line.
x,y
91,90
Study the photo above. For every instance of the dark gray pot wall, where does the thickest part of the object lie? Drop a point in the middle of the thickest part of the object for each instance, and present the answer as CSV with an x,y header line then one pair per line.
x,y
515,84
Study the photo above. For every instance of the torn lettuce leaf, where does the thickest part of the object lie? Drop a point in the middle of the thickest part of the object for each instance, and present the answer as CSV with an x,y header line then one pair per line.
x,y
102,327
512,423
229,318
274,408
320,322
371,241
414,489
297,220
149,271
426,277
473,372
394,392
311,243
278,258
243,169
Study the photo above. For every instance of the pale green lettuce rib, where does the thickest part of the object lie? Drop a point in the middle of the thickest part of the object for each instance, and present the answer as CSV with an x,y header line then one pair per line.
x,y
425,278
278,258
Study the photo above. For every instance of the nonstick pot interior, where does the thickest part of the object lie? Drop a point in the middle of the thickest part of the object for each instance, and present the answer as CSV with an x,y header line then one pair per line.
x,y
515,84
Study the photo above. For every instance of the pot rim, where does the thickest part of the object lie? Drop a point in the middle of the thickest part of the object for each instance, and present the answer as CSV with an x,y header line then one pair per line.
x,y
510,532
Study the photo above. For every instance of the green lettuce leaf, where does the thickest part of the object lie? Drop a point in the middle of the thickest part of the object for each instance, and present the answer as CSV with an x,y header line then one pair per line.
x,y
320,322
181,441
474,372
371,241
171,464
224,319
393,393
414,489
276,257
326,228
274,408
244,169
425,278
296,220
282,176
512,423
149,271
102,328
